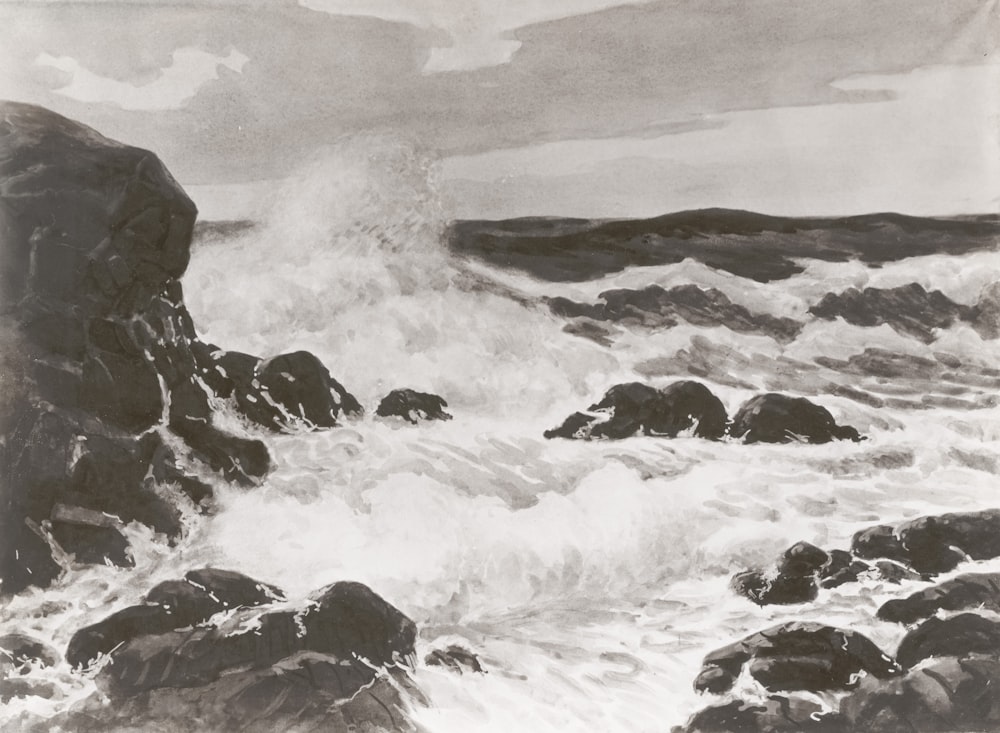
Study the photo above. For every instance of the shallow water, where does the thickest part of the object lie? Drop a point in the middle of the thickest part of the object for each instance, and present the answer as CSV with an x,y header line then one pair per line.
x,y
590,578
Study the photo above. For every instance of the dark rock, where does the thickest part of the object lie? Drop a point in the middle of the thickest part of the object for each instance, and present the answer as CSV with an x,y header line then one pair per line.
x,y
294,389
842,567
894,572
412,406
966,633
796,656
792,581
934,544
964,592
346,621
774,715
634,407
945,695
454,658
909,309
19,652
90,642
93,544
97,344
656,308
205,592
765,589
576,426
777,418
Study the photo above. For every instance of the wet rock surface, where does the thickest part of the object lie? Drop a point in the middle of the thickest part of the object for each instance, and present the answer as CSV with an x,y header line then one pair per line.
x,y
635,408
965,592
103,369
796,656
777,418
253,666
413,406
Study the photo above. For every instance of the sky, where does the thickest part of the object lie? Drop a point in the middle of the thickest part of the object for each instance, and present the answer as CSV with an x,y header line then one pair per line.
x,y
597,108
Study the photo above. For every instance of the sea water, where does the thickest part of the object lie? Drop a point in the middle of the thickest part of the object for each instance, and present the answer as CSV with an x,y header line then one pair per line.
x,y
590,578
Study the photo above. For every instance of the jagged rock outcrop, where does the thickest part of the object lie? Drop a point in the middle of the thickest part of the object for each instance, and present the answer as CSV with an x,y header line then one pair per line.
x,y
101,383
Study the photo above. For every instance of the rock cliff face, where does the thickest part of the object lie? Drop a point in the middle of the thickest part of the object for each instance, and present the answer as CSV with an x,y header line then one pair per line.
x,y
102,373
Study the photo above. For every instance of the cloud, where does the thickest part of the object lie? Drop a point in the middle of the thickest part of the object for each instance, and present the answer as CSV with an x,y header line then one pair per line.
x,y
932,148
478,29
176,84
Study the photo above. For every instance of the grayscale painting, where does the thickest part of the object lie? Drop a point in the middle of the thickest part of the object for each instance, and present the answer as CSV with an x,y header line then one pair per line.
x,y
447,366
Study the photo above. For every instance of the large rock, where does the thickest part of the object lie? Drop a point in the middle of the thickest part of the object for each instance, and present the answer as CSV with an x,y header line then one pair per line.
x,y
964,592
934,544
793,580
796,656
170,605
947,695
966,633
634,408
412,406
346,622
778,418
98,343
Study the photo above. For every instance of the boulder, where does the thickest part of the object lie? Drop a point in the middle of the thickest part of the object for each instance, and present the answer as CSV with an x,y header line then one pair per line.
x,y
345,621
776,714
170,605
963,592
455,658
933,544
944,695
634,408
412,406
966,633
777,418
793,580
842,567
796,656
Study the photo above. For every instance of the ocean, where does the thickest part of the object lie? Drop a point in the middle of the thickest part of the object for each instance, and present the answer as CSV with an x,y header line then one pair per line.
x,y
589,577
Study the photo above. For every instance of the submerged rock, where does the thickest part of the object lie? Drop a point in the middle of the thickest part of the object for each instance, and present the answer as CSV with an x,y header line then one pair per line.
x,y
796,656
777,418
964,592
19,652
412,406
634,408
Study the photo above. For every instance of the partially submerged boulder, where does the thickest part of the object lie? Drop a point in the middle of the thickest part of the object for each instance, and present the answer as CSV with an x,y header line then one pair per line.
x,y
964,592
778,418
956,636
934,544
796,656
172,604
776,714
793,580
455,658
413,406
633,408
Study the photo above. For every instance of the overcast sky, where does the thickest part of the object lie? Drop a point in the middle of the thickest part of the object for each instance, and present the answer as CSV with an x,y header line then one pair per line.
x,y
573,107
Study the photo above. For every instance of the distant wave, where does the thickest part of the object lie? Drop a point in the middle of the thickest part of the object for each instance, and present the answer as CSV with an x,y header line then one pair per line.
x,y
763,248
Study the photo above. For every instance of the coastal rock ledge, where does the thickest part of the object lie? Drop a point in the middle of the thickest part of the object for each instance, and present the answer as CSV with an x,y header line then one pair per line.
x,y
102,392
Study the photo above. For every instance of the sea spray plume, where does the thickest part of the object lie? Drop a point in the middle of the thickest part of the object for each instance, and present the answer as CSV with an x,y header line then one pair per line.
x,y
349,264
